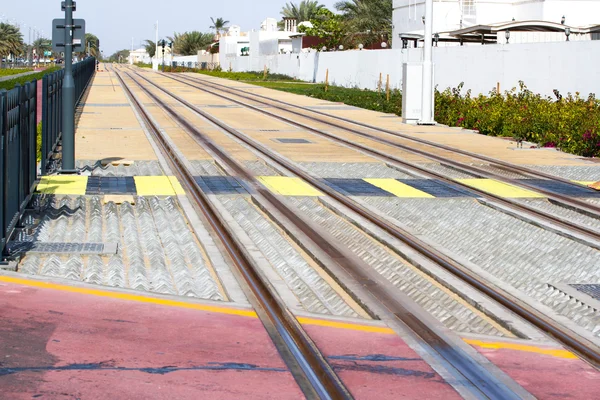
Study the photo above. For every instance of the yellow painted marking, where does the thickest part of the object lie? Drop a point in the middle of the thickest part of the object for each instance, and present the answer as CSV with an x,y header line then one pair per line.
x,y
397,188
500,188
176,185
157,186
559,353
288,186
128,297
585,183
183,304
345,325
63,184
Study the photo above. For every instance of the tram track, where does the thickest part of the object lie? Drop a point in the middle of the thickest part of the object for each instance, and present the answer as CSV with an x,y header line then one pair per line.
x,y
483,382
580,345
572,230
308,365
469,169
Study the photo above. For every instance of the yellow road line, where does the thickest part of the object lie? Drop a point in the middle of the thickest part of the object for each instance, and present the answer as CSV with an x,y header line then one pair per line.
x,y
397,188
500,188
559,353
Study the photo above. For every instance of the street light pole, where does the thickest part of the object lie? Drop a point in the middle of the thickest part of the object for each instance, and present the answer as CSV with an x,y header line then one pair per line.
x,y
68,90
427,97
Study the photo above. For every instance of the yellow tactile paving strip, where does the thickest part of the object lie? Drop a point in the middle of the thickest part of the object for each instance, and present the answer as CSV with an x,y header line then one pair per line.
x,y
157,186
397,188
500,188
282,185
288,186
63,184
77,185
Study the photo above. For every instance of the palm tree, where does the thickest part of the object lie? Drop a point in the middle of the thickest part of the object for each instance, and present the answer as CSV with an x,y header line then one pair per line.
x,y
41,45
374,15
150,47
370,17
91,42
11,40
218,25
305,11
189,43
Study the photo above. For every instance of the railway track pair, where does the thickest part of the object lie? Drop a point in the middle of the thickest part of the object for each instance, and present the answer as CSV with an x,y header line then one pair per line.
x,y
315,375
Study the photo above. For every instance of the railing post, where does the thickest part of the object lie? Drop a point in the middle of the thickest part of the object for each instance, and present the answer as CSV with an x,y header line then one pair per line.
x,y
2,169
46,125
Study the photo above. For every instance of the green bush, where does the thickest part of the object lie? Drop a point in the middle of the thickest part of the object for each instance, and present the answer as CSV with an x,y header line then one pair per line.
x,y
39,142
11,83
142,65
15,71
239,76
570,123
369,99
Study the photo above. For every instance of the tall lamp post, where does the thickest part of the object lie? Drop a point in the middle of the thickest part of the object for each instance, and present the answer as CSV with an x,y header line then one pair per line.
x,y
427,96
68,90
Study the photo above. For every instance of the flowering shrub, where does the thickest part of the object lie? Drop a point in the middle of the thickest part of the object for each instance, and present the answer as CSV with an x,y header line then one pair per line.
x,y
568,123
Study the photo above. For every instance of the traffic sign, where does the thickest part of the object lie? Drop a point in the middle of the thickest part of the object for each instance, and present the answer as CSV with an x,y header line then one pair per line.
x,y
58,35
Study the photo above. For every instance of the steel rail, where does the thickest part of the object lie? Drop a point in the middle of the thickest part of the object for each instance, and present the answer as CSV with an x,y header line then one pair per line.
x,y
484,383
585,348
588,208
307,357
519,207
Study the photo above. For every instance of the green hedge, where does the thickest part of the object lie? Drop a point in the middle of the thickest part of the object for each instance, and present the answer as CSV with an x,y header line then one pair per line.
x,y
10,84
369,99
239,76
569,123
14,71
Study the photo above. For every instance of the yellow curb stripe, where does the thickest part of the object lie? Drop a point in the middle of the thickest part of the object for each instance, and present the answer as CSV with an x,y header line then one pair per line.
x,y
182,304
559,353
128,297
345,325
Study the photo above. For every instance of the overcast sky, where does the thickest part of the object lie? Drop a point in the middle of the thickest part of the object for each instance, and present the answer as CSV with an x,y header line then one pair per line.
x,y
115,22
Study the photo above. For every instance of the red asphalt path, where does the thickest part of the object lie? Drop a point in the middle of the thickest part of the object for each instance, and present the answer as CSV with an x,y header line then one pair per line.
x,y
57,344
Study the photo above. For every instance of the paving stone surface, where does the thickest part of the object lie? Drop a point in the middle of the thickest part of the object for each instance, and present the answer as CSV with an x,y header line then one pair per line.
x,y
576,173
157,251
565,213
524,256
137,168
444,306
314,293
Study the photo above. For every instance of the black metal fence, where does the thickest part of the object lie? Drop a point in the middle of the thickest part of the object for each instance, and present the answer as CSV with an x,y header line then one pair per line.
x,y
18,109
52,105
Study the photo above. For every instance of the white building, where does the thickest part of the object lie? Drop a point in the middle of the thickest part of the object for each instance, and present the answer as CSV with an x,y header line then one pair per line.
x,y
452,15
139,56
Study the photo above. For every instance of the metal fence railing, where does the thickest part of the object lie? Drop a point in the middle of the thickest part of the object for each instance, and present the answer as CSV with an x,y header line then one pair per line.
x,y
18,154
52,106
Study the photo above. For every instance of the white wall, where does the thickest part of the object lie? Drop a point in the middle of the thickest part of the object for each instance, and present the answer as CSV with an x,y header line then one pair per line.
x,y
566,66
